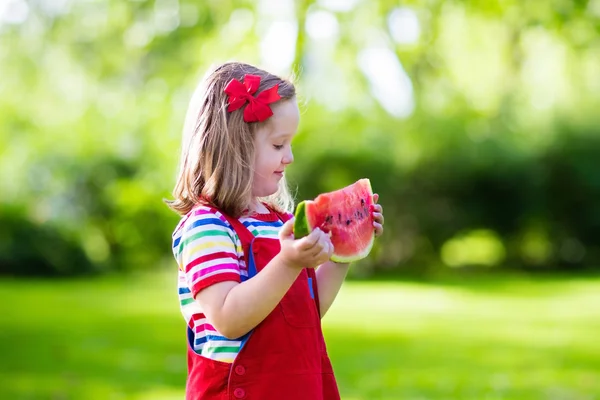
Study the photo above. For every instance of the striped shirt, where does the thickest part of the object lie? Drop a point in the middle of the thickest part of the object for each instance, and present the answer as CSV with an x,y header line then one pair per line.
x,y
208,251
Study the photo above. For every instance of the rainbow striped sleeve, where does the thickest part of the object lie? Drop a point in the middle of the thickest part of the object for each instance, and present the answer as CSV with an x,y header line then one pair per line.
x,y
206,251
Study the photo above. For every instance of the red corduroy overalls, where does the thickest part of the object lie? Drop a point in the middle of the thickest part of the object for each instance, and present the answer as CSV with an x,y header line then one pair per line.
x,y
284,357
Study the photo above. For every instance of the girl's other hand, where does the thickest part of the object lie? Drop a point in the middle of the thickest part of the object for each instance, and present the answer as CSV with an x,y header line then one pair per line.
x,y
377,211
307,252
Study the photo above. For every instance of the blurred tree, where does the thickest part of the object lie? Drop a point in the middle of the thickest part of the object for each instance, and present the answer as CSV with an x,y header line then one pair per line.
x,y
467,116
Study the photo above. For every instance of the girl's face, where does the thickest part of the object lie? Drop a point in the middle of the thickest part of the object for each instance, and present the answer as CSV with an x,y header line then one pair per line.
x,y
273,147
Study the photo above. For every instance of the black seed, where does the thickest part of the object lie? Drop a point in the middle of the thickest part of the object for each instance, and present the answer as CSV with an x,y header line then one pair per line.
x,y
362,202
348,222
340,217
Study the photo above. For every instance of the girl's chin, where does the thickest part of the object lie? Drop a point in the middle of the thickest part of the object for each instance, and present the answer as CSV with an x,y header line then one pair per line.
x,y
265,192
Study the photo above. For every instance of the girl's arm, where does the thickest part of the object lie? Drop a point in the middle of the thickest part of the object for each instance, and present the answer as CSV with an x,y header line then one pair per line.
x,y
235,308
330,277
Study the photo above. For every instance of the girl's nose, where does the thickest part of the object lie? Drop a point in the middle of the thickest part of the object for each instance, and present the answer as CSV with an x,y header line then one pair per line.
x,y
288,157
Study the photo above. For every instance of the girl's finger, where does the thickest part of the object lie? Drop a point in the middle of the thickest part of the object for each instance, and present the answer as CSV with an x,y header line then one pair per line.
x,y
317,254
377,208
322,235
330,250
287,230
308,242
316,250
375,198
378,229
326,248
325,255
326,252
377,217
326,240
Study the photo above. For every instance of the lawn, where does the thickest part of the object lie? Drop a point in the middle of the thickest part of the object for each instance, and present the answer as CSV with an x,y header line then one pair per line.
x,y
492,338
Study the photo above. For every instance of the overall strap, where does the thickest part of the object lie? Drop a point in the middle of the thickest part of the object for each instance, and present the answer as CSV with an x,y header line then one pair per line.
x,y
246,238
282,216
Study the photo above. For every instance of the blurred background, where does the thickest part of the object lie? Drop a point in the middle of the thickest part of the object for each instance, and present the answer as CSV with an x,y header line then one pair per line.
x,y
478,123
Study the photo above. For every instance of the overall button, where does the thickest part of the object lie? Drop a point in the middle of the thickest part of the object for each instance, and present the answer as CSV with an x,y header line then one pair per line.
x,y
239,393
240,370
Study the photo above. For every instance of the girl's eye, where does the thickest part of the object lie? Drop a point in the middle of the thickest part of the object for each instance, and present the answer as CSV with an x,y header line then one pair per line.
x,y
278,146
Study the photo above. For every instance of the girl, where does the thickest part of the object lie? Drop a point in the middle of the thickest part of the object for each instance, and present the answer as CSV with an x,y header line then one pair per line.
x,y
252,296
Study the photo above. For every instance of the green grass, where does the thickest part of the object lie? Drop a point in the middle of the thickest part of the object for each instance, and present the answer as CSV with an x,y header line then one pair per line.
x,y
507,338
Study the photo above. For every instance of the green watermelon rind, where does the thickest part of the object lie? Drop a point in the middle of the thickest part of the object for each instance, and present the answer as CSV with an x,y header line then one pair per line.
x,y
302,228
358,256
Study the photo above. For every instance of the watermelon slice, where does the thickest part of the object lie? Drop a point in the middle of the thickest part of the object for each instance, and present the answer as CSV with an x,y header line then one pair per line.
x,y
346,213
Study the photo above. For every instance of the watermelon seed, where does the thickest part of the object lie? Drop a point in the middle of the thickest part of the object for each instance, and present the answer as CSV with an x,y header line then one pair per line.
x,y
329,219
348,222
340,217
362,202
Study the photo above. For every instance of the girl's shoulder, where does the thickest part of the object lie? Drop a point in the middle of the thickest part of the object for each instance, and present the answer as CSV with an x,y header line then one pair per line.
x,y
203,216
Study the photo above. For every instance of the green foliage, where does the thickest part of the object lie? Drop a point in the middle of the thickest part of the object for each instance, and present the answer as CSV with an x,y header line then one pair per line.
x,y
498,135
472,186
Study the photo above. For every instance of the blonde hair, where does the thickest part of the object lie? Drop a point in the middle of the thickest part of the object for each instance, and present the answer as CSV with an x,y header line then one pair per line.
x,y
217,154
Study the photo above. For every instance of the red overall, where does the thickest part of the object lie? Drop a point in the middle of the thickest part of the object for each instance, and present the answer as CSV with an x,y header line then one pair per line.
x,y
284,357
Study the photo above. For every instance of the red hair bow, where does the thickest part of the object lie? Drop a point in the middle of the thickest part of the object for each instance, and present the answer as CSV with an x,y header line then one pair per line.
x,y
258,107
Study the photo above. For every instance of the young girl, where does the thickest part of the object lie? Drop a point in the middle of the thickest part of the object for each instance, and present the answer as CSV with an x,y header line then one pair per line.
x,y
252,295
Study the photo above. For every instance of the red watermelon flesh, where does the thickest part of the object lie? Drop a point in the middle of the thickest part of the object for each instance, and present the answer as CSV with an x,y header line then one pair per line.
x,y
346,214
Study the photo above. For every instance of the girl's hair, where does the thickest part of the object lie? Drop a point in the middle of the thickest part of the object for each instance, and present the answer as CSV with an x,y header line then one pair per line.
x,y
217,154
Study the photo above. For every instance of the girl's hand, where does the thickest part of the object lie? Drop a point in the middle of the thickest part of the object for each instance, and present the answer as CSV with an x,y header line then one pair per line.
x,y
377,211
307,252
